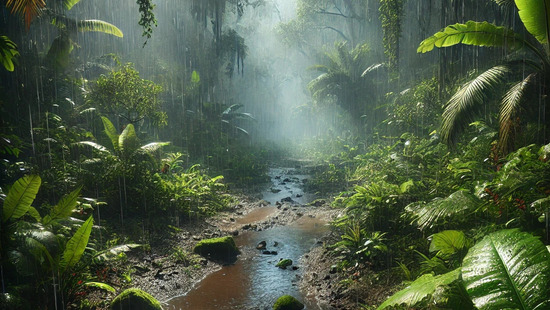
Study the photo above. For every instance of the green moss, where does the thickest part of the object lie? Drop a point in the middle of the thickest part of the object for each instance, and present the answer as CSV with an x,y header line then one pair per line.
x,y
135,299
222,248
287,302
283,263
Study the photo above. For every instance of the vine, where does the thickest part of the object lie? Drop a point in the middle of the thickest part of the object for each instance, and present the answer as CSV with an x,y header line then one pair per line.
x,y
391,14
147,20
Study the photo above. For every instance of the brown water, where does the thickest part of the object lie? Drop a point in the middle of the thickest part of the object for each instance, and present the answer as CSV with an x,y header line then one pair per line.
x,y
254,282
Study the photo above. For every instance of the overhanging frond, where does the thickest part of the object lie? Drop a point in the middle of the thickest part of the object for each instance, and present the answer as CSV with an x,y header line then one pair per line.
x,y
98,26
464,104
534,15
472,33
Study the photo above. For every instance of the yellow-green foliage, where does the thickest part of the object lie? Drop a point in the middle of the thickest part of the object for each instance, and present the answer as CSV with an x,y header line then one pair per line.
x,y
287,302
135,299
222,248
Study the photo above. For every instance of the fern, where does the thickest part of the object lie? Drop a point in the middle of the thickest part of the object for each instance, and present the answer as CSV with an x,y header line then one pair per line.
x,y
426,215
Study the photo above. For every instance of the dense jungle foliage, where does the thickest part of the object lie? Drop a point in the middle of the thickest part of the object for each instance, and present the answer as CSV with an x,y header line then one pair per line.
x,y
426,123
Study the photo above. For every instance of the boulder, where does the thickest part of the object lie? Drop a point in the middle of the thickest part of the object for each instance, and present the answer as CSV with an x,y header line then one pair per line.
x,y
287,302
222,249
135,299
283,263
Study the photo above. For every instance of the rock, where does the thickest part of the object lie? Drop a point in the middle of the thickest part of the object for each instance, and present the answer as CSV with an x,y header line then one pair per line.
x,y
235,233
223,248
287,302
299,214
262,245
275,190
275,243
283,263
137,299
327,277
287,199
294,267
287,180
299,195
232,219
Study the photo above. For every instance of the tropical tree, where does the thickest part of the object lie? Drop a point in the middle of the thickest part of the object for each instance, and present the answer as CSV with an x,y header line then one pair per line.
x,y
527,73
125,94
343,78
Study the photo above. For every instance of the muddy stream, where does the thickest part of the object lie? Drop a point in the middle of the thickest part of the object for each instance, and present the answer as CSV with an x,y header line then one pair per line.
x,y
254,282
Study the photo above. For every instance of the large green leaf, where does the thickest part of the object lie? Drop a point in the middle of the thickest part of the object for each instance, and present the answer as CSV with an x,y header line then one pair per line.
x,y
111,132
76,245
472,33
508,269
64,208
153,146
421,288
98,26
128,141
449,242
20,197
535,14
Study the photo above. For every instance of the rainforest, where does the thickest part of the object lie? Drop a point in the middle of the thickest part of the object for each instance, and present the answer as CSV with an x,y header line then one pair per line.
x,y
275,154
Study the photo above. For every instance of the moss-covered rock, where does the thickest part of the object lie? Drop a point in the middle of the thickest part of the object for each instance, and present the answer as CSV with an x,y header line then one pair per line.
x,y
283,263
287,302
222,248
135,299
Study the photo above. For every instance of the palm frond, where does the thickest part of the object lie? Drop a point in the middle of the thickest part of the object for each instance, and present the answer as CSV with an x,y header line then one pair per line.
x,y
153,146
110,131
472,33
425,215
465,103
29,9
505,3
374,68
509,108
96,146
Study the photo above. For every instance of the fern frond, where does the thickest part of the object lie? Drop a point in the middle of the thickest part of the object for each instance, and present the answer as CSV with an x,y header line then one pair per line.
x,y
425,215
465,103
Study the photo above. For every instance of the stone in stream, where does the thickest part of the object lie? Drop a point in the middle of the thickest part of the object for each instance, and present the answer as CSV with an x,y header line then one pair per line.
x,y
262,245
283,263
270,252
220,249
287,302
